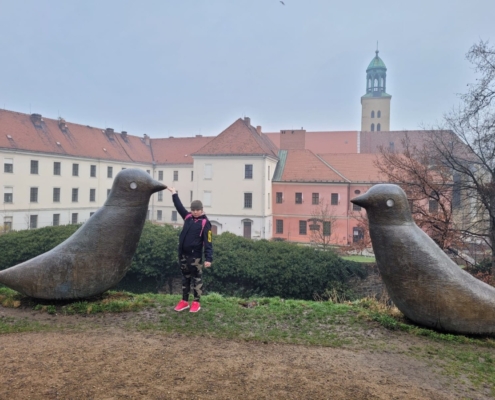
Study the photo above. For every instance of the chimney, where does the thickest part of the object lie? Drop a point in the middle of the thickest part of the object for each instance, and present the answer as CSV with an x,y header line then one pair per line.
x,y
36,119
293,139
199,135
123,134
146,139
109,133
258,129
62,125
247,120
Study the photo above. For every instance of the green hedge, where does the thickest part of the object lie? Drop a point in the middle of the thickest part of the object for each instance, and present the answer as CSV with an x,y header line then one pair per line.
x,y
241,267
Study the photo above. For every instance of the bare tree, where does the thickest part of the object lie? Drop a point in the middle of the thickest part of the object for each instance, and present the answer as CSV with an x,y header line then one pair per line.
x,y
322,219
469,148
429,186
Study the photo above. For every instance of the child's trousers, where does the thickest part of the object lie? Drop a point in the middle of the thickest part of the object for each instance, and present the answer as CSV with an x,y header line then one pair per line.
x,y
192,270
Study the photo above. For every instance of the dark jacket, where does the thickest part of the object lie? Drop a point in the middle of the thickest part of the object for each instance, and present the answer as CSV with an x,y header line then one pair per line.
x,y
191,239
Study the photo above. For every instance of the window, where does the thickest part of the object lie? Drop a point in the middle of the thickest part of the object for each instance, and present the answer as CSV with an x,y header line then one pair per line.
x,y
92,171
174,216
160,175
56,168
75,169
315,198
148,171
56,195
432,206
56,220
355,207
357,234
191,196
8,195
248,200
91,214
278,197
248,171
33,195
75,195
327,228
192,176
108,192
269,200
159,215
279,226
378,127
269,175
34,167
92,195
372,114
334,199
379,114
160,196
372,127
298,198
74,218
33,221
176,175
122,168
208,171
8,166
109,172
207,198
391,146
7,224
303,226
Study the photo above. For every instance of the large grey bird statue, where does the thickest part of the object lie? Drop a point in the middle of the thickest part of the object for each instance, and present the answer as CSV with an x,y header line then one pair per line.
x,y
421,280
98,255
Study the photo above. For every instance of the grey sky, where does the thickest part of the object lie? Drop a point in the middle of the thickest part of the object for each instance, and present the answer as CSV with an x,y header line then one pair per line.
x,y
187,67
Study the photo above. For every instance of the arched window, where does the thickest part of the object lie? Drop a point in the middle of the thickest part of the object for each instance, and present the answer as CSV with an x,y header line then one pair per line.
x,y
375,85
378,127
372,114
378,114
372,127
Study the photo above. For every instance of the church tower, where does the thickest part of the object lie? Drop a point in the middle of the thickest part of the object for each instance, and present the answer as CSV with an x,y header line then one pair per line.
x,y
375,115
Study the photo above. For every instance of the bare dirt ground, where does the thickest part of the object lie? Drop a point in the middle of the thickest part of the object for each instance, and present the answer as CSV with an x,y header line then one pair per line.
x,y
102,357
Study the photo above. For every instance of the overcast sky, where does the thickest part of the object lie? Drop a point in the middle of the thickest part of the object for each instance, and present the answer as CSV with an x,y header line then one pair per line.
x,y
188,67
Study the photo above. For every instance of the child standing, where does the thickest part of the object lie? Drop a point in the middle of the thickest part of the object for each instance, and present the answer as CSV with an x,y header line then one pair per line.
x,y
195,235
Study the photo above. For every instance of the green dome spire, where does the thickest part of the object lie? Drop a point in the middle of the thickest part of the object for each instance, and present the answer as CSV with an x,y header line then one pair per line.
x,y
376,78
376,63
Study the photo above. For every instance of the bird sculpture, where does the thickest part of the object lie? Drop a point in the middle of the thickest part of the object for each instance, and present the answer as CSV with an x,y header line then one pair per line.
x,y
98,255
422,281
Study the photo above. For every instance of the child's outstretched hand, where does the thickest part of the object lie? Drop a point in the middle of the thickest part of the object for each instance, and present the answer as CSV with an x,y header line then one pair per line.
x,y
207,264
171,189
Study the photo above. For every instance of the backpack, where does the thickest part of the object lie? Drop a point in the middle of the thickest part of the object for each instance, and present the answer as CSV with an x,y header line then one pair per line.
x,y
203,223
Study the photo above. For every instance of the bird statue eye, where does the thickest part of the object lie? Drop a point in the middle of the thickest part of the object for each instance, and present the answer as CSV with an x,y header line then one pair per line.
x,y
390,203
133,185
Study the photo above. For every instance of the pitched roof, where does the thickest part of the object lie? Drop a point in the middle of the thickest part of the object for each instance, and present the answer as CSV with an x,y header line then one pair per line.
x,y
240,138
45,135
177,150
355,167
325,141
305,166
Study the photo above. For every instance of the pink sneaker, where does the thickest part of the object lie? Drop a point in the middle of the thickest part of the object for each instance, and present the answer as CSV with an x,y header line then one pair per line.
x,y
182,305
195,306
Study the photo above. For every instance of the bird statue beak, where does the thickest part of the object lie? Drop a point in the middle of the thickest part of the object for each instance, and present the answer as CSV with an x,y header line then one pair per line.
x,y
361,201
158,186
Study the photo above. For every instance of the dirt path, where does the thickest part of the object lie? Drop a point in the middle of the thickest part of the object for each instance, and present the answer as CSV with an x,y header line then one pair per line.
x,y
101,358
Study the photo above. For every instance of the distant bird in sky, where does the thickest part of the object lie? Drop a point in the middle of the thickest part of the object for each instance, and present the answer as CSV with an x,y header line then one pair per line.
x,y
282,2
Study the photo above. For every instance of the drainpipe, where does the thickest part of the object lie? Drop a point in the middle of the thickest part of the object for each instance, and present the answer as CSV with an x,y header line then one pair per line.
x,y
348,210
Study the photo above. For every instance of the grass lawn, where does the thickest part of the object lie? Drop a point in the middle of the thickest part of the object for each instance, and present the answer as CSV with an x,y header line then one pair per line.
x,y
361,259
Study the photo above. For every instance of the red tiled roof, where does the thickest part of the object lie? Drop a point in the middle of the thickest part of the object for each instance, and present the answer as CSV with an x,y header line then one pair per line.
x,y
305,166
355,167
240,138
325,141
22,131
177,150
